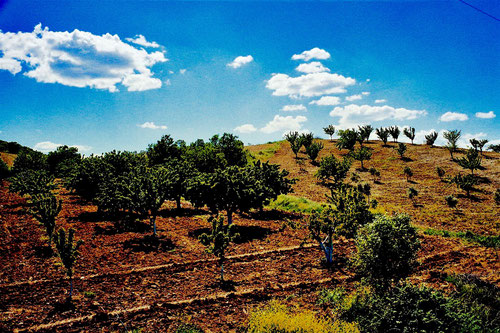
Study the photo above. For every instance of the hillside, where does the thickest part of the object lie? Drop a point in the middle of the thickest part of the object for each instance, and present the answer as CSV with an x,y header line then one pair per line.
x,y
123,281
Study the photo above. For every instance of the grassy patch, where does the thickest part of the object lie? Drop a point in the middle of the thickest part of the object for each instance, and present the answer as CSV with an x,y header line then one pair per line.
x,y
290,203
486,241
266,153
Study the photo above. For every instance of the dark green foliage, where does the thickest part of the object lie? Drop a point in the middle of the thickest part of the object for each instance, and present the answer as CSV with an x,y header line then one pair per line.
x,y
231,148
329,130
295,141
386,250
165,150
409,132
12,147
30,160
495,148
441,172
361,154
412,194
451,201
452,137
63,161
408,173
204,156
307,139
32,183
431,138
347,139
313,150
364,133
394,131
471,161
347,210
401,149
496,196
45,210
465,183
366,189
68,252
478,144
179,175
4,170
383,134
331,168
88,175
218,240
375,174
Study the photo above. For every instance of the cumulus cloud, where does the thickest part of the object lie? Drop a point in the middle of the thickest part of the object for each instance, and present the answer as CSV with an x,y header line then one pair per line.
x,y
353,98
152,125
379,101
246,128
141,40
308,85
365,93
294,107
453,116
284,124
46,146
486,115
240,61
326,100
351,115
312,67
79,59
315,53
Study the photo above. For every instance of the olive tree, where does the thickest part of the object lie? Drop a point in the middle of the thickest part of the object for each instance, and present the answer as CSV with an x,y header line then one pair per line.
x,y
408,173
329,130
383,134
386,251
45,210
32,183
394,131
67,250
465,183
218,240
452,137
478,144
409,132
451,201
431,138
401,149
362,154
313,150
347,139
331,168
295,141
364,132
471,161
495,148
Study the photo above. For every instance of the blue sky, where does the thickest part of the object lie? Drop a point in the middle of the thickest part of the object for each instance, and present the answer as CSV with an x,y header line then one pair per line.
x,y
433,65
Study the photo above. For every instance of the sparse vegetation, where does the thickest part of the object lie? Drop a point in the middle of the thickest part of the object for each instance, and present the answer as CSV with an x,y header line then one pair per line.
x,y
313,150
383,134
329,130
408,172
471,161
431,138
452,137
375,174
67,250
394,131
409,132
331,168
401,150
347,139
441,172
412,194
361,154
451,201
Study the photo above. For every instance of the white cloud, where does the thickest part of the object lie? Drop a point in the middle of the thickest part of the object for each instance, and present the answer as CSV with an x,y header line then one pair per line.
x,y
247,128
327,100
294,107
182,71
141,40
46,146
379,101
352,115
486,115
308,85
79,59
315,53
365,93
312,67
284,124
367,80
152,125
453,116
353,98
240,61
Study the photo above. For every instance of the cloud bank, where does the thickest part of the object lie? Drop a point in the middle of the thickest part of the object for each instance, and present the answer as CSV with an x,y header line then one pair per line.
x,y
453,116
79,59
353,114
315,53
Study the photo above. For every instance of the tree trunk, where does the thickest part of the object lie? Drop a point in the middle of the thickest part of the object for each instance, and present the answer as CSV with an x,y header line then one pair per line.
x,y
222,271
70,287
178,200
153,222
229,217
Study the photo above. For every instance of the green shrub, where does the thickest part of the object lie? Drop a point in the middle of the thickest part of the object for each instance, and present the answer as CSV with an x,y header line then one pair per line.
x,y
32,183
4,170
331,168
290,203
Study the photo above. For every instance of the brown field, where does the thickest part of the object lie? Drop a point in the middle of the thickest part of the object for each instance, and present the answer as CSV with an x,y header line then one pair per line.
x,y
123,282
8,158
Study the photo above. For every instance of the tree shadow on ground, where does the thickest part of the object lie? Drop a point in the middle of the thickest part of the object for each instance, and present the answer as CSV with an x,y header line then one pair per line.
x,y
98,216
245,233
338,263
43,251
273,214
407,159
227,285
62,307
149,244
122,227
186,212
471,197
483,180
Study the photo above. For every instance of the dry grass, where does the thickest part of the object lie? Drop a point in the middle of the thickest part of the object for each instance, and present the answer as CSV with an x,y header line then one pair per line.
x,y
8,158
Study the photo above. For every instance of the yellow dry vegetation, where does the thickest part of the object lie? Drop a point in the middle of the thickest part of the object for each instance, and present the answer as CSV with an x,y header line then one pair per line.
x,y
277,317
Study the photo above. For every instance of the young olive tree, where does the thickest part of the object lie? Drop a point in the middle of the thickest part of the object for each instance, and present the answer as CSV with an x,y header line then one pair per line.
x,y
386,251
431,138
383,134
295,141
408,173
346,211
495,148
329,130
364,133
441,172
465,183
451,201
471,161
401,150
478,144
361,154
412,194
394,131
331,168
409,132
218,240
68,252
313,150
347,139
307,139
45,210
375,174
32,183
452,137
